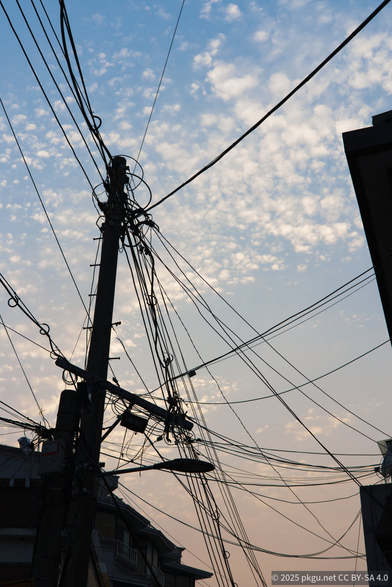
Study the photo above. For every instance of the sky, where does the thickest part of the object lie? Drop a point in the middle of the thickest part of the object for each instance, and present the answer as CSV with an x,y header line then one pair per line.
x,y
265,233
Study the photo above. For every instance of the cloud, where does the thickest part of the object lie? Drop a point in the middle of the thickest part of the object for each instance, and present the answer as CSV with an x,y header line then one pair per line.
x,y
207,8
320,425
19,118
227,83
260,36
232,12
171,108
205,57
148,74
279,84
98,18
163,14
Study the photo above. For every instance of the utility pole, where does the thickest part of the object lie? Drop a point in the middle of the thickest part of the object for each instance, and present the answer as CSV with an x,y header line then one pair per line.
x,y
70,491
64,534
81,515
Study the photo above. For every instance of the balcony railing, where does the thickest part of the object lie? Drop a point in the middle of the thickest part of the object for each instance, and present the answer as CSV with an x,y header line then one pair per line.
x,y
127,552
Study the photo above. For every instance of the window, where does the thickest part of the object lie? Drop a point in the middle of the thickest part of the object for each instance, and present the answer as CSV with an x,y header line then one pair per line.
x,y
127,538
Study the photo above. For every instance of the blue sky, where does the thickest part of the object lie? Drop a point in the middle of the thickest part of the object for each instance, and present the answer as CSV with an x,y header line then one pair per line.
x,y
274,227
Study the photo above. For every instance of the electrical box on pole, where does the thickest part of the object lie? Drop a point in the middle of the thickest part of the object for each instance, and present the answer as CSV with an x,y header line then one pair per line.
x,y
57,470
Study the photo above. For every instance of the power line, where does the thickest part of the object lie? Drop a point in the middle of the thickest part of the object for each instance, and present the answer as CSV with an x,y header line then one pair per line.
x,y
229,333
28,420
256,399
27,338
23,371
315,555
45,211
53,79
349,285
271,464
160,81
277,106
230,337
44,329
45,95
81,96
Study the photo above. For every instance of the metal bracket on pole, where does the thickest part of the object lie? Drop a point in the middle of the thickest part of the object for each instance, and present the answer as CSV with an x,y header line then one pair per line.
x,y
127,395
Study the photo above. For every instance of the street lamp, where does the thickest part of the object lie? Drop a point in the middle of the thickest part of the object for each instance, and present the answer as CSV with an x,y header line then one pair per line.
x,y
179,465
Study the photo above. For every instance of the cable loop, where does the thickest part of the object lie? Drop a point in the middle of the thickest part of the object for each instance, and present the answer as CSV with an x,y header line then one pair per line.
x,y
44,331
67,381
97,126
131,189
15,301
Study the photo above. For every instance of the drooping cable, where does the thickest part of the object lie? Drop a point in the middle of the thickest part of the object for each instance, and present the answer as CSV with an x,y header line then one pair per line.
x,y
279,105
256,399
81,95
236,344
223,479
315,555
45,95
155,303
340,464
24,372
45,211
160,337
267,459
65,102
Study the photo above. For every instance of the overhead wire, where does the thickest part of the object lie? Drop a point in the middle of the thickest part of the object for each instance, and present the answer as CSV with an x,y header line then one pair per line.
x,y
81,94
270,463
165,354
155,335
335,542
160,81
10,410
335,294
24,372
27,338
278,105
19,424
46,96
271,333
209,515
44,329
45,211
255,399
282,479
228,335
340,467
54,80
266,458
315,556
233,513
348,286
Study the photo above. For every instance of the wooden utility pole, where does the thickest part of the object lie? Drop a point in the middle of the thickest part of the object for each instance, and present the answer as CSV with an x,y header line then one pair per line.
x,y
70,490
81,515
64,534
